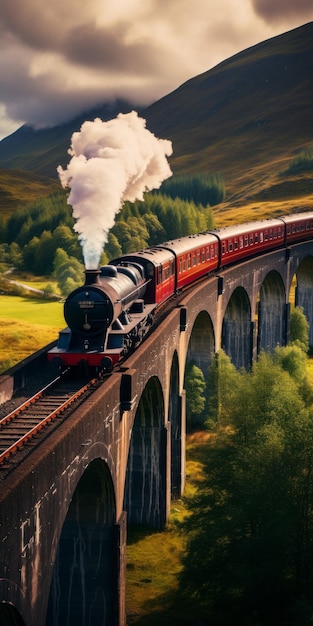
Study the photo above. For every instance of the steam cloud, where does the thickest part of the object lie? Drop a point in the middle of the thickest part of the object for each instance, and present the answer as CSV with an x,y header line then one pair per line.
x,y
111,162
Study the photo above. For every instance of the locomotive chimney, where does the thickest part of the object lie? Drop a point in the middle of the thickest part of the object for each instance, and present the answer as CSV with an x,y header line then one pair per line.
x,y
91,277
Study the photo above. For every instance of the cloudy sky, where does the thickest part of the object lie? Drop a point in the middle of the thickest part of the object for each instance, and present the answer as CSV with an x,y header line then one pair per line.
x,y
60,58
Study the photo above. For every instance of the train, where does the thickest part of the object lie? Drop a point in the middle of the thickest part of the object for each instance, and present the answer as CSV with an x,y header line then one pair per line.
x,y
111,314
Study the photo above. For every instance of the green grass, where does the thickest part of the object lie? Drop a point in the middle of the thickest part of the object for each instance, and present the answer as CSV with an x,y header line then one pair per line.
x,y
38,283
39,311
26,325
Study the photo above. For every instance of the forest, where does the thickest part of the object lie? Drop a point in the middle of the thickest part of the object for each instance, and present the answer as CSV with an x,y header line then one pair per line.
x,y
39,238
248,555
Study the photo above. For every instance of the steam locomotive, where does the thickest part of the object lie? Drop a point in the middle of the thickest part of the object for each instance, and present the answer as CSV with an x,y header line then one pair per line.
x,y
113,311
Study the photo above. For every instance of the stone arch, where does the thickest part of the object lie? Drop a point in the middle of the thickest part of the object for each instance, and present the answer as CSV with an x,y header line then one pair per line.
x,y
272,313
237,329
145,488
81,589
9,615
201,347
304,291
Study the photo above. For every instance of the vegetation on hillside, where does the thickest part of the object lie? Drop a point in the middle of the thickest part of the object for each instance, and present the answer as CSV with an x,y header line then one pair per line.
x,y
302,162
19,187
250,528
202,188
40,237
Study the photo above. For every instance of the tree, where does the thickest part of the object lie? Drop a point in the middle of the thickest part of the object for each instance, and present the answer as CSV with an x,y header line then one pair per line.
x,y
195,387
64,237
15,257
223,378
299,328
30,255
45,254
112,247
68,271
155,229
3,230
250,525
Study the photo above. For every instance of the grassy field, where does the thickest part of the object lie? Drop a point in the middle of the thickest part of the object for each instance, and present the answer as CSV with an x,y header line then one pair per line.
x,y
26,325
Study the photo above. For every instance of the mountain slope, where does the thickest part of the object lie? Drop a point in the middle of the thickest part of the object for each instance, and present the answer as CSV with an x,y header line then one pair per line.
x,y
42,150
246,118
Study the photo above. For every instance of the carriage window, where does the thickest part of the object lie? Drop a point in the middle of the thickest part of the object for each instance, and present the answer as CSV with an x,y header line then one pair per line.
x,y
223,248
160,274
240,242
256,238
230,246
246,240
184,264
203,255
251,239
236,244
180,265
189,261
208,253
194,261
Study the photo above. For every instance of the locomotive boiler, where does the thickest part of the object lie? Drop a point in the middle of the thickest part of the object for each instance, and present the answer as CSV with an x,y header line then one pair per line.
x,y
104,318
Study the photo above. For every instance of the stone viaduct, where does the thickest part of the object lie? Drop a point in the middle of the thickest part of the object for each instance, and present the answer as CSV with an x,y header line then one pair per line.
x,y
120,457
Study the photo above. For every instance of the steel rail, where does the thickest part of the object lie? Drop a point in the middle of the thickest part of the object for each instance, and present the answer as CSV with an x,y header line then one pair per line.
x,y
38,427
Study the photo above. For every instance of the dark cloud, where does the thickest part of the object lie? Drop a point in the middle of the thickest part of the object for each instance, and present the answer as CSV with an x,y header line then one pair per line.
x,y
283,10
109,49
59,59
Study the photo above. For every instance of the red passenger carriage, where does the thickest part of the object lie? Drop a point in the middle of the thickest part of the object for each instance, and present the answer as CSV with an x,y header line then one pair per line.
x,y
195,256
299,226
245,240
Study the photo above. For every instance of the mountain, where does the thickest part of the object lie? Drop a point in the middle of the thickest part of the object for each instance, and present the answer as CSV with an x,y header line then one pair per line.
x,y
41,151
246,118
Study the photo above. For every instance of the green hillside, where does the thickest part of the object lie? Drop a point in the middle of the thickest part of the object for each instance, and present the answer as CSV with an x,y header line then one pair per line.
x,y
247,118
20,186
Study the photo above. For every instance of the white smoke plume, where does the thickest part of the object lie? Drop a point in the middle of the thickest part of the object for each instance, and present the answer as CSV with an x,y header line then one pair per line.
x,y
111,162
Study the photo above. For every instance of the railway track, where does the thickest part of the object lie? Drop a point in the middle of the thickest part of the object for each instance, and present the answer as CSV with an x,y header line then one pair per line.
x,y
24,427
